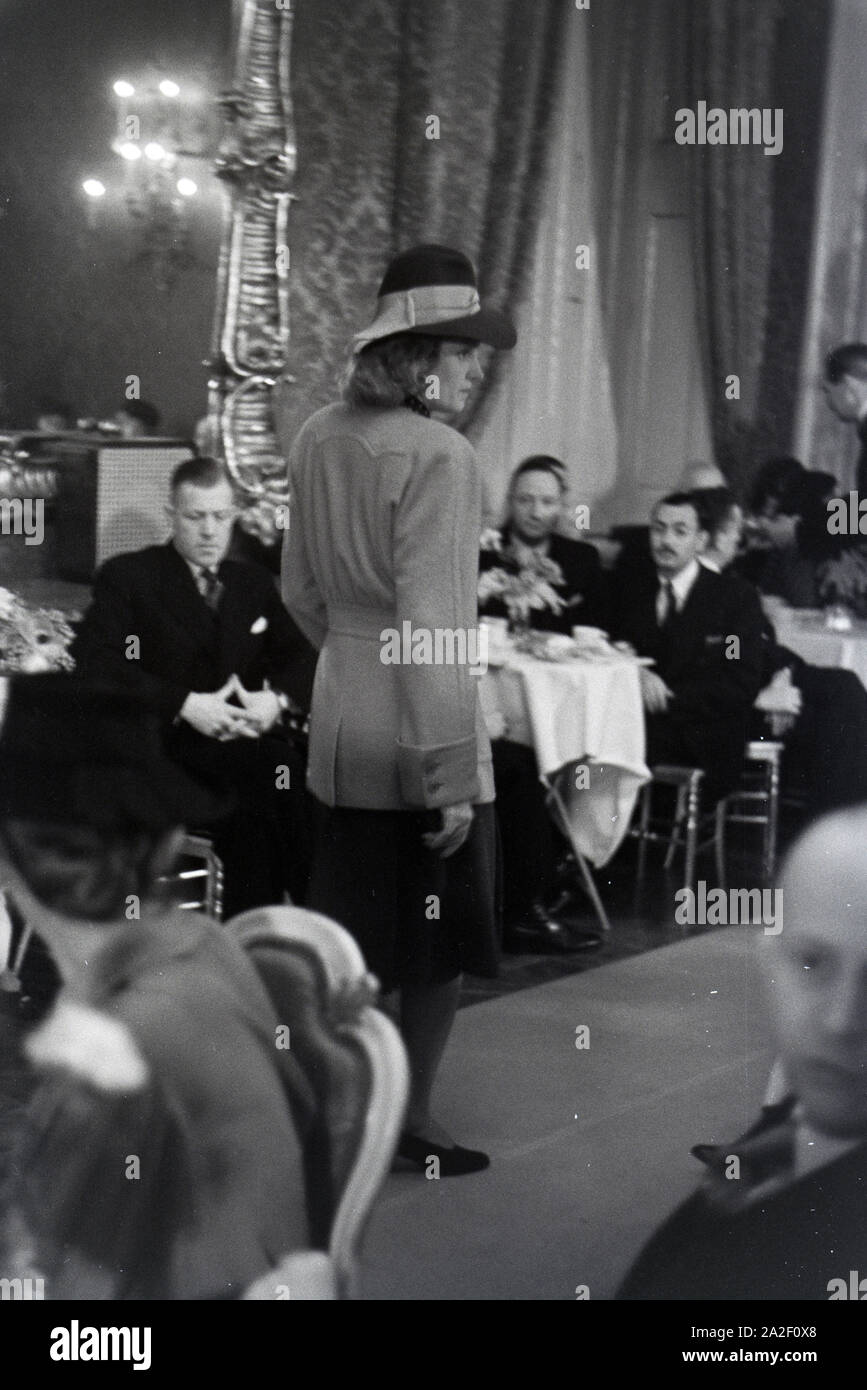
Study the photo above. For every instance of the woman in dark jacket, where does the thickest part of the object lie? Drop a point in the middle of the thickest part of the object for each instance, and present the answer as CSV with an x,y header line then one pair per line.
x,y
379,571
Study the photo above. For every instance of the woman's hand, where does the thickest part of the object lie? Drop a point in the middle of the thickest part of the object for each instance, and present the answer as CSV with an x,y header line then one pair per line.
x,y
457,820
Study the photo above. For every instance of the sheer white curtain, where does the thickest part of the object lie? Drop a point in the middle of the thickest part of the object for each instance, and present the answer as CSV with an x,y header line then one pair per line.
x,y
555,395
837,303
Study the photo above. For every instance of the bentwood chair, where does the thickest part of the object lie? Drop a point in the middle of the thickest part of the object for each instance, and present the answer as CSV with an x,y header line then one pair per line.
x,y
354,1060
756,800
690,827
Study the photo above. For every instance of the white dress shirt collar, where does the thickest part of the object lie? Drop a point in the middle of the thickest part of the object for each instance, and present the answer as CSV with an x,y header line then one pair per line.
x,y
682,583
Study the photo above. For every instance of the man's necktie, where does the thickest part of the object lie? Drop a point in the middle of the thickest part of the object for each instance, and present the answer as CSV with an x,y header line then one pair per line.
x,y
210,588
666,608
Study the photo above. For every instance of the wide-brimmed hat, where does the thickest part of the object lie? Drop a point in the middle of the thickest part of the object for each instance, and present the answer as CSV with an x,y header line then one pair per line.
x,y
81,752
432,289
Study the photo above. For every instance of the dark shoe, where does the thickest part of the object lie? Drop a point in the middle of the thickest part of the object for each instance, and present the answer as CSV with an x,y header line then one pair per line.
x,y
454,1162
540,932
567,874
568,902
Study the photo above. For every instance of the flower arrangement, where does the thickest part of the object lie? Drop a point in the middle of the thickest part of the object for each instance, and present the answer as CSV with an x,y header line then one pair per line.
x,y
844,580
522,586
265,519
32,639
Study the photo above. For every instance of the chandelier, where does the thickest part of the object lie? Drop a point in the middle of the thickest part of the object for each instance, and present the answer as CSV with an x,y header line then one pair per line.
x,y
163,144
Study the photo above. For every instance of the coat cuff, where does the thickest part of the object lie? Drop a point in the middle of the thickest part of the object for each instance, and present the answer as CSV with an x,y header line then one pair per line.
x,y
439,776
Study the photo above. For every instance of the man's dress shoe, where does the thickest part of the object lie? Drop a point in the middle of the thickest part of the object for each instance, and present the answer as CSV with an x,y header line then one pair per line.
x,y
539,932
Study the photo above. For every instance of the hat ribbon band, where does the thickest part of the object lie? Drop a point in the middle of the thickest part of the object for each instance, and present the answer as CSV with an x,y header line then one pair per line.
x,y
415,308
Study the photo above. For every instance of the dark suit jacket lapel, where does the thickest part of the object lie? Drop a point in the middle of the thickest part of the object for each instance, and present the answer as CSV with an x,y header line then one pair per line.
x,y
560,552
179,598
237,614
692,615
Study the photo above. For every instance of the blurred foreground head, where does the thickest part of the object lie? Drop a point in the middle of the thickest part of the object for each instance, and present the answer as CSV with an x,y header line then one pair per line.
x,y
88,801
816,973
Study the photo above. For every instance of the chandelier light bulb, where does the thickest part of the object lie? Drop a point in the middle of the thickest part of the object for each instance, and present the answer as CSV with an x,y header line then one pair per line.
x,y
124,89
154,152
129,150
93,188
169,88
187,187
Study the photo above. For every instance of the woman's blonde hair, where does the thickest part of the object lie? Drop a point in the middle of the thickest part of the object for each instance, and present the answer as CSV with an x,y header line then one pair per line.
x,y
386,372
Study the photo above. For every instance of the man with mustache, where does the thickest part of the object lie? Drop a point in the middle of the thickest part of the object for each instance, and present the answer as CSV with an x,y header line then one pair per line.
x,y
704,636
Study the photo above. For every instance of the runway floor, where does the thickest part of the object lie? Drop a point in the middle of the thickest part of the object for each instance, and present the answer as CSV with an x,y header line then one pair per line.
x,y
590,1146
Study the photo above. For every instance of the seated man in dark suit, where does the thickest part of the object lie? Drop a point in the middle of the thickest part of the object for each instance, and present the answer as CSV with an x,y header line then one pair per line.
x,y
790,539
820,712
207,642
531,845
704,634
782,1212
530,535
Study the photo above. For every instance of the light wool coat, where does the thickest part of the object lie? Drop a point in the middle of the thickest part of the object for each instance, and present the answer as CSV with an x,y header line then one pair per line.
x,y
384,528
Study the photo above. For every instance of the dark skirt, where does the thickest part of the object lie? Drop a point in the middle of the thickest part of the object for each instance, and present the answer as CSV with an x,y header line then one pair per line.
x,y
417,918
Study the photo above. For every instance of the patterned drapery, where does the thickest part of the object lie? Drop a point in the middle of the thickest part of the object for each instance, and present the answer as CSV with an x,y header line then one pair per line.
x,y
731,64
754,218
376,173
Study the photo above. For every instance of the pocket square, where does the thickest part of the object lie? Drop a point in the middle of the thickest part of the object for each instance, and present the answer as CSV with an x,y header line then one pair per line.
x,y
259,626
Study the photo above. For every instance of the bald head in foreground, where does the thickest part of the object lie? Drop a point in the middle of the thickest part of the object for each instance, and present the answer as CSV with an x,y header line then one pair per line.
x,y
782,1213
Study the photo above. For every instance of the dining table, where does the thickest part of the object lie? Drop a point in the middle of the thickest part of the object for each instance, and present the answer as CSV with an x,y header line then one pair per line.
x,y
580,709
822,638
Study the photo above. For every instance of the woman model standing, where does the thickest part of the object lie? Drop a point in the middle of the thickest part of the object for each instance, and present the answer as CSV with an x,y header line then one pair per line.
x,y
380,569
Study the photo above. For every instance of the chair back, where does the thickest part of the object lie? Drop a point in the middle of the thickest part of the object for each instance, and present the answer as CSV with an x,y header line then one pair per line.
x,y
351,1055
196,880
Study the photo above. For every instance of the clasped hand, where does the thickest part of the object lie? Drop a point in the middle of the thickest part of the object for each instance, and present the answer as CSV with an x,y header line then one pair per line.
x,y
213,714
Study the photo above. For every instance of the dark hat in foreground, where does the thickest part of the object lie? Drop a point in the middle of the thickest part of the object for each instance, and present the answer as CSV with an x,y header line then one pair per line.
x,y
81,752
432,289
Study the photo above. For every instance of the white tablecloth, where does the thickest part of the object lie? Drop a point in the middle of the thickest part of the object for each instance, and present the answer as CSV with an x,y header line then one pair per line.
x,y
805,633
578,713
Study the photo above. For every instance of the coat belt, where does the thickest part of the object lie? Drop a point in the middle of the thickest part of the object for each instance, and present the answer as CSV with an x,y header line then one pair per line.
x,y
357,620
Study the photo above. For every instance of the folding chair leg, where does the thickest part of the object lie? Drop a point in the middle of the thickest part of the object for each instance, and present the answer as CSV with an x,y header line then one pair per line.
x,y
680,815
593,892
691,833
719,841
589,884
643,827
770,857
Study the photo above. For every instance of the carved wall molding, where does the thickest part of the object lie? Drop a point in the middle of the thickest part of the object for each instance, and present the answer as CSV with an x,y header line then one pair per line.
x,y
256,164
